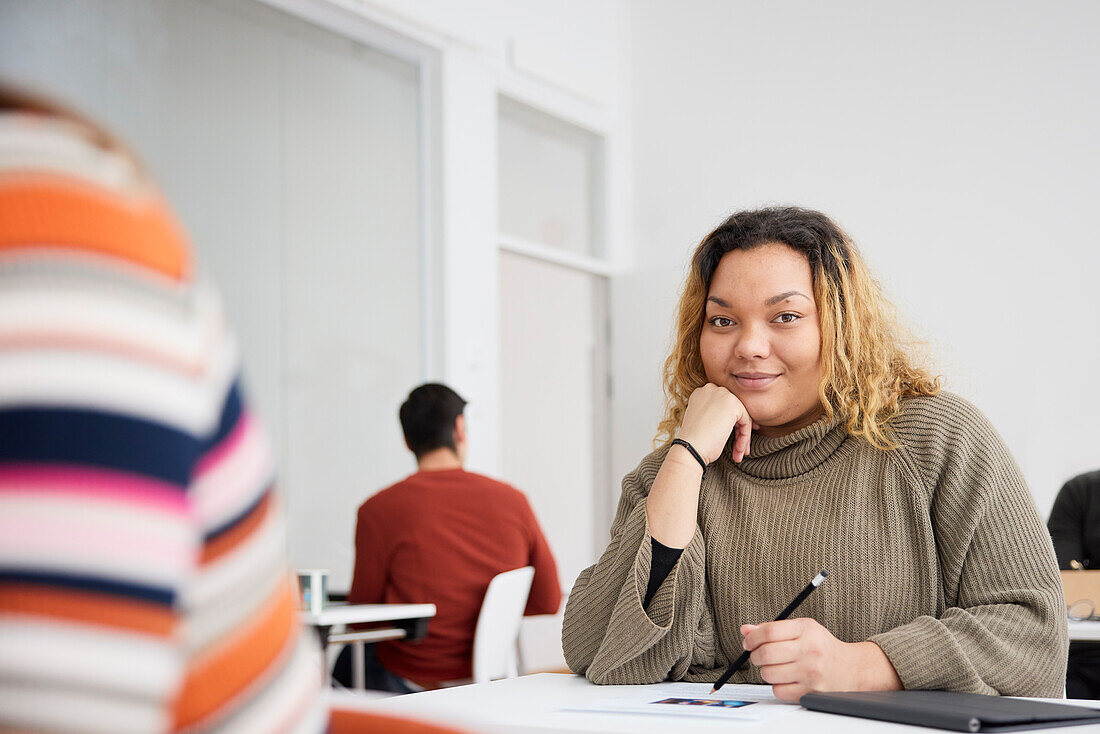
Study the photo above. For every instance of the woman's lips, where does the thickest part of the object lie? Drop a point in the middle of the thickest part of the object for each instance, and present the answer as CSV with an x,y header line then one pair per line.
x,y
755,380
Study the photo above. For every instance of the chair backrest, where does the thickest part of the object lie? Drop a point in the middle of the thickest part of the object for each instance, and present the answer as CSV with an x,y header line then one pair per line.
x,y
498,625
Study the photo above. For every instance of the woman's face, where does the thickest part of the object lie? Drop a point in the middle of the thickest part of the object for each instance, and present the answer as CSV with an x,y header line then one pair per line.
x,y
761,338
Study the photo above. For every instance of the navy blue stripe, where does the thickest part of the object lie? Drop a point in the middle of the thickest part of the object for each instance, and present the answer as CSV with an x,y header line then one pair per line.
x,y
156,594
94,438
227,526
231,413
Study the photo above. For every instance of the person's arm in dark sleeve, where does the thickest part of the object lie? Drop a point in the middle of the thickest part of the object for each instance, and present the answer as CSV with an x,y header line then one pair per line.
x,y
1066,523
661,565
545,597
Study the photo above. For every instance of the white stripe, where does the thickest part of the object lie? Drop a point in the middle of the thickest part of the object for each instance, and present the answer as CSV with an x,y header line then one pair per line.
x,y
191,337
36,262
78,712
114,384
239,567
42,143
210,622
88,657
316,720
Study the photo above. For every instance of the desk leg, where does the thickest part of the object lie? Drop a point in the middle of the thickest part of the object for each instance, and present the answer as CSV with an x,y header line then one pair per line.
x,y
322,637
358,666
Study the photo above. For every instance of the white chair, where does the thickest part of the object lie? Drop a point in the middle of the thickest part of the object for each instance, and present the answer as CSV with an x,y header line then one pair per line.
x,y
495,652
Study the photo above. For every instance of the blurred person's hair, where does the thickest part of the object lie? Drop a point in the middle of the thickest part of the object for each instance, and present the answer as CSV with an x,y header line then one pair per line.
x,y
869,360
428,418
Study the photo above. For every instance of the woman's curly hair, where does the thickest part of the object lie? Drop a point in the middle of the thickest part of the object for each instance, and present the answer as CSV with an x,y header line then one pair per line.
x,y
867,357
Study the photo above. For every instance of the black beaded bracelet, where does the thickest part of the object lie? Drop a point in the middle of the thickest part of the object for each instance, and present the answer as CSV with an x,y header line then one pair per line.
x,y
692,451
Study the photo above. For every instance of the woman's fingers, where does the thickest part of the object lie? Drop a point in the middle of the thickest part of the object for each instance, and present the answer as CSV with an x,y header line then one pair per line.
x,y
790,691
800,654
743,428
776,653
714,414
782,673
786,629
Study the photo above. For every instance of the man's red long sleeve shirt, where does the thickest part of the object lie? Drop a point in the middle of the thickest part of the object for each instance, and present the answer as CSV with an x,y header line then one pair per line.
x,y
439,537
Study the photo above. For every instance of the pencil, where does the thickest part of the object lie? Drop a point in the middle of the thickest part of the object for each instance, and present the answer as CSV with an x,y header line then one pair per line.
x,y
817,581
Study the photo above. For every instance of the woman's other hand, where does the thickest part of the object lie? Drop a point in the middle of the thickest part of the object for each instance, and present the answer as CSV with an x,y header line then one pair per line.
x,y
799,656
712,414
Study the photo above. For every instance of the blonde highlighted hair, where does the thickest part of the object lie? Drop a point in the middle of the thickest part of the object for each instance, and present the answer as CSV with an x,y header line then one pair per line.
x,y
868,358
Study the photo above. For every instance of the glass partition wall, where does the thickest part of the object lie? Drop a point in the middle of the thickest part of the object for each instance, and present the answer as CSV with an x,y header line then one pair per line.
x,y
294,157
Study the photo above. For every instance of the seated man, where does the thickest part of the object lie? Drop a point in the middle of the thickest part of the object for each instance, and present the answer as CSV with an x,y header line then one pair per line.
x,y
439,537
1074,526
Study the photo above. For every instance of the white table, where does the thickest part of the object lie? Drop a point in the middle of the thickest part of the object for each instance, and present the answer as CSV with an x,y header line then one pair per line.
x,y
410,621
1084,631
532,705
338,613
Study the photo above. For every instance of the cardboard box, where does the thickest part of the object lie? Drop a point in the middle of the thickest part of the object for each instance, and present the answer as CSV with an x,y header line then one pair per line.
x,y
1082,586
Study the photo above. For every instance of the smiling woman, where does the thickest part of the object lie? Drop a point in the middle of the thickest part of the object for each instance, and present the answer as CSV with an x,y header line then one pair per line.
x,y
808,438
761,341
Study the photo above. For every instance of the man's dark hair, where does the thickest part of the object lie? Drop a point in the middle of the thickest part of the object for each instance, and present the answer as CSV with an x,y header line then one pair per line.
x,y
428,418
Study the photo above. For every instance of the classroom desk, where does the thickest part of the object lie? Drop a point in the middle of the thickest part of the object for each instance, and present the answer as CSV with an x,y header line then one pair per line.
x,y
409,621
532,705
1084,631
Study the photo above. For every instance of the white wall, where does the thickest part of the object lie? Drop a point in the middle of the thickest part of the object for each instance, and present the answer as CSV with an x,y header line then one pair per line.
x,y
957,142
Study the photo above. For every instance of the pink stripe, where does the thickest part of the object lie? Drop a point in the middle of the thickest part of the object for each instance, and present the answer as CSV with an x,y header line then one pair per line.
x,y
105,483
226,448
74,542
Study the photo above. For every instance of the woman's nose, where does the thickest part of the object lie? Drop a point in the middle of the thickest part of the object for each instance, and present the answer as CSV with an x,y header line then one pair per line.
x,y
752,342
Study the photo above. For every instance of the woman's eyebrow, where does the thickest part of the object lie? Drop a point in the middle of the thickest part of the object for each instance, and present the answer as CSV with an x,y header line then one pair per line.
x,y
718,300
784,296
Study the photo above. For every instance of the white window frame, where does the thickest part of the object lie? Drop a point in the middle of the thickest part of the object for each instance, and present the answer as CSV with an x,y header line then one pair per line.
x,y
421,50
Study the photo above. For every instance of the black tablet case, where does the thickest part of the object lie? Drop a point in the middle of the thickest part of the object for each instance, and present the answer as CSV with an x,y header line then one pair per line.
x,y
955,711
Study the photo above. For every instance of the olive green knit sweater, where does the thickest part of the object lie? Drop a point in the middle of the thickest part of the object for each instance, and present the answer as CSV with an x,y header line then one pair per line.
x,y
935,552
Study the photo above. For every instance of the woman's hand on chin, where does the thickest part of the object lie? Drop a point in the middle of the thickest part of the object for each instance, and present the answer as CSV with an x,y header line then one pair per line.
x,y
712,414
799,656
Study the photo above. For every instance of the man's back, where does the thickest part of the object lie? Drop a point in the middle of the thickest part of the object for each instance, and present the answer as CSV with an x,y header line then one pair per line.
x,y
440,537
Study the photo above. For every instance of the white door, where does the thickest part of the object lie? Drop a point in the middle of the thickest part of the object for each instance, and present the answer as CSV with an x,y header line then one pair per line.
x,y
553,407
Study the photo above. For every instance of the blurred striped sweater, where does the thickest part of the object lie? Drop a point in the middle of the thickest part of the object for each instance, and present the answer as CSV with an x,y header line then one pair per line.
x,y
144,585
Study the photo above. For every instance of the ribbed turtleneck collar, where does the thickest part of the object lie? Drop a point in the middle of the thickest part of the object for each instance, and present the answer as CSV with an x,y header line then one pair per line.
x,y
786,457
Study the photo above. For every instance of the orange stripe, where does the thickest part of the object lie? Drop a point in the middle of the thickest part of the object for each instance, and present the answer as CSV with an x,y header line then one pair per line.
x,y
219,675
87,607
51,210
344,721
236,535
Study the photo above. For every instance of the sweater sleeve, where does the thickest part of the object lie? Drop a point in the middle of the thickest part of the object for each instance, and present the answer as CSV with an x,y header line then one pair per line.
x,y
1002,628
607,634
